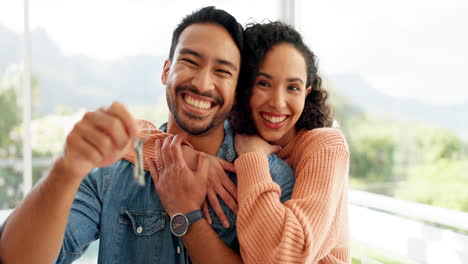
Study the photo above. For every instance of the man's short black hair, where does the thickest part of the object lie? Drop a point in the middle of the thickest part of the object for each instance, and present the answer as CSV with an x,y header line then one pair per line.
x,y
212,15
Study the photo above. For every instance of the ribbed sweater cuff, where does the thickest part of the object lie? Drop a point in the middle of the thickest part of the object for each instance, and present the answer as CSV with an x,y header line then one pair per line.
x,y
252,170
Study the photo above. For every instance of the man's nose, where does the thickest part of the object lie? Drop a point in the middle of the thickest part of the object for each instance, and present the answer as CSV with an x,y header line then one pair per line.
x,y
203,80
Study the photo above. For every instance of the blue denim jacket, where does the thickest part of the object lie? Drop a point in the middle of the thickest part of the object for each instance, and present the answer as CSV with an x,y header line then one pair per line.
x,y
130,221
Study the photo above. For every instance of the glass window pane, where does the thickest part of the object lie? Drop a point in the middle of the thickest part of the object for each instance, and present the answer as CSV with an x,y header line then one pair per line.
x,y
398,71
11,173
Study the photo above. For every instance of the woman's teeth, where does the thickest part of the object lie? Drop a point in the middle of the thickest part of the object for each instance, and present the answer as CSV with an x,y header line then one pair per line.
x,y
274,119
196,103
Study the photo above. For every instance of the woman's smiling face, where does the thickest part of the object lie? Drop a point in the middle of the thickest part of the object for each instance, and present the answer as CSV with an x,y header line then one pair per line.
x,y
279,93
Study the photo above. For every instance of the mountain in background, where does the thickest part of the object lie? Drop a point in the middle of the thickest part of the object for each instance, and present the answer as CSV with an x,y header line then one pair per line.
x,y
79,81
363,95
10,48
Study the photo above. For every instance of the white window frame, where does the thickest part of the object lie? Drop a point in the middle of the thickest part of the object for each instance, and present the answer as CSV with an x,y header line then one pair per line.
x,y
26,59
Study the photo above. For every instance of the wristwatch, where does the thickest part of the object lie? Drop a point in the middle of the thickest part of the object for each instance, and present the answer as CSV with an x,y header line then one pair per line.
x,y
181,222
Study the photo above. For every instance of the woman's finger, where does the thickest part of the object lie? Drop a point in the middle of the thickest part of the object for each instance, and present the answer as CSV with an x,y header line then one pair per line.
x,y
274,149
157,155
153,170
228,199
165,150
214,202
227,166
176,150
206,212
228,185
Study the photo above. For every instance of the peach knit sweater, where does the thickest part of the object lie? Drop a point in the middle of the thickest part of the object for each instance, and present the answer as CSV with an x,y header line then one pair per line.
x,y
312,227
148,145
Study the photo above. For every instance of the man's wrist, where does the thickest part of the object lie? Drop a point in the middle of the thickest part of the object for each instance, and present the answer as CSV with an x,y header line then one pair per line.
x,y
63,176
184,210
196,232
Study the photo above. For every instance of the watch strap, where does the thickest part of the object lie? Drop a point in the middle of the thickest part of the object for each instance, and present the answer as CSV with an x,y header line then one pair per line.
x,y
194,216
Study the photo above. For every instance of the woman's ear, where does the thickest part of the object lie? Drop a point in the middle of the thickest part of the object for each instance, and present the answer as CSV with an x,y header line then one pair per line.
x,y
308,90
165,72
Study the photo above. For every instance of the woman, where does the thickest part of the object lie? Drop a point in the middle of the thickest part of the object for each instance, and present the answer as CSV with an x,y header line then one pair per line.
x,y
285,106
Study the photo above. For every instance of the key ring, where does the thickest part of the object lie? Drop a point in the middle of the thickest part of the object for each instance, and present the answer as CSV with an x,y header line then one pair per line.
x,y
139,169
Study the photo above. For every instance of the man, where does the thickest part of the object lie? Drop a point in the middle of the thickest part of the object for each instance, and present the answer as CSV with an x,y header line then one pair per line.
x,y
77,203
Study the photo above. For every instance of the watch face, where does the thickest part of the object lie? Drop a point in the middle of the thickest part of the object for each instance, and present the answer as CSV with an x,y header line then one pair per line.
x,y
179,224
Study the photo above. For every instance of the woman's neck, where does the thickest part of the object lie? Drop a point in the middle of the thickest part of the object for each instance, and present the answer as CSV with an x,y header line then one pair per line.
x,y
284,140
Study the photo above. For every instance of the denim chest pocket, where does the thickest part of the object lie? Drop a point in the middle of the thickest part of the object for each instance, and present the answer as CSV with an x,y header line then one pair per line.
x,y
141,236
143,222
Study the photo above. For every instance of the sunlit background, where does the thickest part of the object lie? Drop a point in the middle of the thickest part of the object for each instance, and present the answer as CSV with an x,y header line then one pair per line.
x,y
397,72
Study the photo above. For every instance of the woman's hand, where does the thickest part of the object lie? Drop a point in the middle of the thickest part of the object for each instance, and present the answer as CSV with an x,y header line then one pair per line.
x,y
180,189
245,143
220,185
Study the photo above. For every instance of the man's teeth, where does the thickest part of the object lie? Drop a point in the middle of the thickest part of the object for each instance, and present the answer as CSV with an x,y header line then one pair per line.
x,y
198,104
274,119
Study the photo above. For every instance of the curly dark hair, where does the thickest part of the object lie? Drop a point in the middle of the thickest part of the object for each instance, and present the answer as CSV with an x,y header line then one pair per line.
x,y
258,40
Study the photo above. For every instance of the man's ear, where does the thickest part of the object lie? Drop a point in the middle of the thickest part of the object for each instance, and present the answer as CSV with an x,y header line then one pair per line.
x,y
308,90
165,72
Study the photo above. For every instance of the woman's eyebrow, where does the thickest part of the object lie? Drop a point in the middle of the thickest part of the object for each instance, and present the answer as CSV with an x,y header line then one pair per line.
x,y
268,76
295,79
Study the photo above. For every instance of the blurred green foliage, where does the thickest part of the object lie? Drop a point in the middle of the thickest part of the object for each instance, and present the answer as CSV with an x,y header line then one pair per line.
x,y
10,136
405,159
441,183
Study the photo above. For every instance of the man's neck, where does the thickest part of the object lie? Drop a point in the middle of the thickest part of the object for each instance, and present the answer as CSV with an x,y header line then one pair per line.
x,y
209,142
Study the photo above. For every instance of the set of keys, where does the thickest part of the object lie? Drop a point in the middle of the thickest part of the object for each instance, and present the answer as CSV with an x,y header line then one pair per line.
x,y
139,169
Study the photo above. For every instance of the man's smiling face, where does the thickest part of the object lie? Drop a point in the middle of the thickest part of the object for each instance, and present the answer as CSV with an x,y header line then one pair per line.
x,y
202,77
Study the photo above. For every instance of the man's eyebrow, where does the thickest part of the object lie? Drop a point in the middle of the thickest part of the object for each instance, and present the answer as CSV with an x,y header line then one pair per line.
x,y
265,75
201,56
227,63
191,52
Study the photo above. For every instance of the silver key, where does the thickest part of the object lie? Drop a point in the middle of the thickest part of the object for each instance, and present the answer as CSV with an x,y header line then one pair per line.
x,y
138,169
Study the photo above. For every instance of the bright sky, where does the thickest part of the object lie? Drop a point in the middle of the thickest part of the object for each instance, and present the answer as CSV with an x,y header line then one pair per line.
x,y
411,48
414,48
